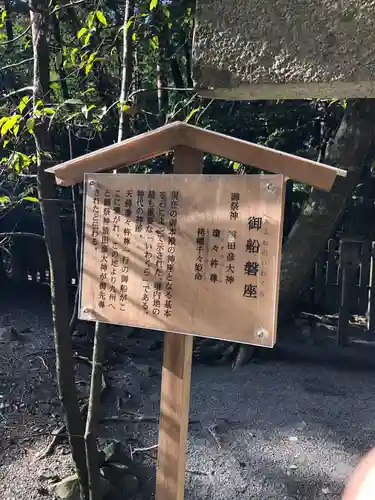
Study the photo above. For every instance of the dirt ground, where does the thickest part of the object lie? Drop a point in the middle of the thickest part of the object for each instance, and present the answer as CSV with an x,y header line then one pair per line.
x,y
279,428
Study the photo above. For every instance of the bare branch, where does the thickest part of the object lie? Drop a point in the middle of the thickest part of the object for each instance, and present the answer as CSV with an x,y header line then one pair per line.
x,y
17,37
67,5
28,90
17,64
26,235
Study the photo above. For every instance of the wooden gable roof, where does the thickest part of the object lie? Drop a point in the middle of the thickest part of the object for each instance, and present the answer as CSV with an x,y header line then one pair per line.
x,y
157,142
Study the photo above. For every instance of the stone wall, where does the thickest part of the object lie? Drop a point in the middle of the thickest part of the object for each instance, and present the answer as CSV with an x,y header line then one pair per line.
x,y
275,49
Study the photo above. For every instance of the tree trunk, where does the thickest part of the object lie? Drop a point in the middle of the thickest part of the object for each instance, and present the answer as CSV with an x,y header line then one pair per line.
x,y
352,149
55,246
127,70
93,412
8,21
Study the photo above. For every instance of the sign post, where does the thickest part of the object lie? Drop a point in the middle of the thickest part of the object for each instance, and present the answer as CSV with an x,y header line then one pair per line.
x,y
176,374
187,254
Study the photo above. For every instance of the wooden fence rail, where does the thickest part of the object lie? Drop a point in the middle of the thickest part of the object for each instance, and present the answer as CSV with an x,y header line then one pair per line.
x,y
343,280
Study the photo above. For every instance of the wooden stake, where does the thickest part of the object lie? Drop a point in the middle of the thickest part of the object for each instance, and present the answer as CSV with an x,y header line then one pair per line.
x,y
175,385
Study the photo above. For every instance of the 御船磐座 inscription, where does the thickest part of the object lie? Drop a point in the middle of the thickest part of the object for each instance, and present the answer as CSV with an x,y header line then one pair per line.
x,y
194,254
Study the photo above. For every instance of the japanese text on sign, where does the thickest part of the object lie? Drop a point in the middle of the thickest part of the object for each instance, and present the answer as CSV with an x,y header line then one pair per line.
x,y
164,253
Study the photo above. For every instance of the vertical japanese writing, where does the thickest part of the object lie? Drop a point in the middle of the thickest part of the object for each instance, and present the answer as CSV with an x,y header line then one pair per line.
x,y
230,269
139,219
149,246
252,265
160,251
103,280
171,253
95,218
200,242
139,224
114,230
124,277
215,260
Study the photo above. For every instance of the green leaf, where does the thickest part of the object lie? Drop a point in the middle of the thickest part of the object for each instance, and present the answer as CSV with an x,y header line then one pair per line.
x,y
88,68
4,200
81,32
153,4
9,124
154,42
54,86
125,107
167,12
73,101
91,57
15,130
191,114
23,103
101,17
89,90
5,143
49,111
59,59
87,39
90,19
236,165
3,15
73,56
31,198
30,125
134,36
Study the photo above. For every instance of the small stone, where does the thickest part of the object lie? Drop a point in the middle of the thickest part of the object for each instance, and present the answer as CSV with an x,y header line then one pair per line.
x,y
42,491
51,477
9,334
293,467
326,491
301,426
25,330
293,439
68,488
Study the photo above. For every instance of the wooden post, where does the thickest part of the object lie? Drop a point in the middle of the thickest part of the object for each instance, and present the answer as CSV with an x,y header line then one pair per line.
x,y
349,257
371,295
175,384
319,280
331,277
364,277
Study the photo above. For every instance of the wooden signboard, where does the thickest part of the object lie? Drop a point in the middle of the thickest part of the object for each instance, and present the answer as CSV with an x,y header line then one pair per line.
x,y
186,253
191,254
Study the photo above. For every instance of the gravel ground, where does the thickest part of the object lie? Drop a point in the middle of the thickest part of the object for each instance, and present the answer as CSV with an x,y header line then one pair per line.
x,y
271,430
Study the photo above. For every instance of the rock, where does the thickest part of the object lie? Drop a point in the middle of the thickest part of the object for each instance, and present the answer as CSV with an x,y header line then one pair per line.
x,y
26,330
49,476
111,450
9,334
68,488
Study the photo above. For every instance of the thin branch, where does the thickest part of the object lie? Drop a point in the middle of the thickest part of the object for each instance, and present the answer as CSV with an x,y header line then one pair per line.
x,y
30,90
67,5
17,37
17,64
176,89
30,235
